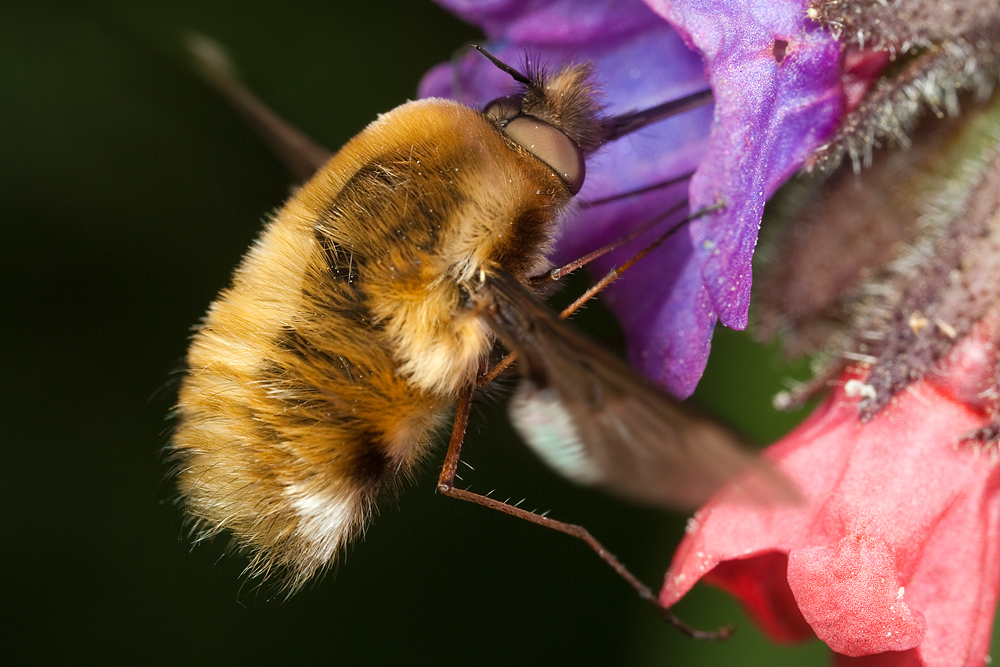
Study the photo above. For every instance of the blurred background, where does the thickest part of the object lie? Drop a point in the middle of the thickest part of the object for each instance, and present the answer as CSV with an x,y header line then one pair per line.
x,y
129,190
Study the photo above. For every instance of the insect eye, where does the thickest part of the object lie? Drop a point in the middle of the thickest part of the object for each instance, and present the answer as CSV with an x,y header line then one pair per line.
x,y
503,109
550,145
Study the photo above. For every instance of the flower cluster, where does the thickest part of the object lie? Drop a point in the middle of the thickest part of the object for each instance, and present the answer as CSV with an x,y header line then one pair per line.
x,y
894,556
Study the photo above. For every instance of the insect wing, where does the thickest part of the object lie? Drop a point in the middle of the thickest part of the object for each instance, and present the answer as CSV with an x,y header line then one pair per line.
x,y
301,155
594,420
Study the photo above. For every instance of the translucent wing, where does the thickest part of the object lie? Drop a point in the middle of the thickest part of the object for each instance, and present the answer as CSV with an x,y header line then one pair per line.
x,y
301,155
593,419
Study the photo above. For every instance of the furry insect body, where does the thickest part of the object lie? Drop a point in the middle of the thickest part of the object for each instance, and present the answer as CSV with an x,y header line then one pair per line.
x,y
320,377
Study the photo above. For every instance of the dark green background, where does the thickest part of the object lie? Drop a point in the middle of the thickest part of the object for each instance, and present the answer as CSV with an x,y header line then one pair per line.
x,y
129,190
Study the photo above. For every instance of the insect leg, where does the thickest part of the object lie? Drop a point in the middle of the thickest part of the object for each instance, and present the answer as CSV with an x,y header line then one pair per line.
x,y
446,479
446,486
610,277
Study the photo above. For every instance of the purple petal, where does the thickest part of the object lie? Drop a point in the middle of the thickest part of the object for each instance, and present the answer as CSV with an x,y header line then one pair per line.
x,y
552,21
774,105
667,303
664,310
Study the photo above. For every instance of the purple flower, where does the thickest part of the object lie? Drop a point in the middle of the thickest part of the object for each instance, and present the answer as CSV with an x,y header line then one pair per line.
x,y
776,80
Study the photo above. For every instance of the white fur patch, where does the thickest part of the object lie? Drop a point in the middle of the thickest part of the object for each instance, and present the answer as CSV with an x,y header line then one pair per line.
x,y
543,422
325,518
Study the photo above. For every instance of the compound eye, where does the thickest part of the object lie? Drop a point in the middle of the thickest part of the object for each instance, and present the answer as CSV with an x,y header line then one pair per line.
x,y
550,145
503,108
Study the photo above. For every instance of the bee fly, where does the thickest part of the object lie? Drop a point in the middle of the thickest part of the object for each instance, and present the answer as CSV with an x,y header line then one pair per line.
x,y
370,302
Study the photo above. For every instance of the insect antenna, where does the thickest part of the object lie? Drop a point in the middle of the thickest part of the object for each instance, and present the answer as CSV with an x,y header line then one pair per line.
x,y
504,67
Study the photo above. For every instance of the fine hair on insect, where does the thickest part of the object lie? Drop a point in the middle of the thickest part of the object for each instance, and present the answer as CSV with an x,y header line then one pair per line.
x,y
368,309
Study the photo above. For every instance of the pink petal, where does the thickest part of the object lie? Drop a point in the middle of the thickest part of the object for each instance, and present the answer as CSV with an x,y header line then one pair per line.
x,y
898,551
849,594
761,584
887,659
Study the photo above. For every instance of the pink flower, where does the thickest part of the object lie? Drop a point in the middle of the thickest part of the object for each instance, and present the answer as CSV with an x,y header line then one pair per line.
x,y
896,555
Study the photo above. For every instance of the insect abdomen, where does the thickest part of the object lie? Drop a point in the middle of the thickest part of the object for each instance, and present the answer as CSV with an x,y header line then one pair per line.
x,y
284,437
294,417
319,378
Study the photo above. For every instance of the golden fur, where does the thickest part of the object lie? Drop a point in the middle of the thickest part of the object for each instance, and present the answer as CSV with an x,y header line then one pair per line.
x,y
319,378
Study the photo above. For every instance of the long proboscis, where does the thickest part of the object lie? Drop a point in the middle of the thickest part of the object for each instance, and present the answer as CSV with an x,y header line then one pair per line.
x,y
616,127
